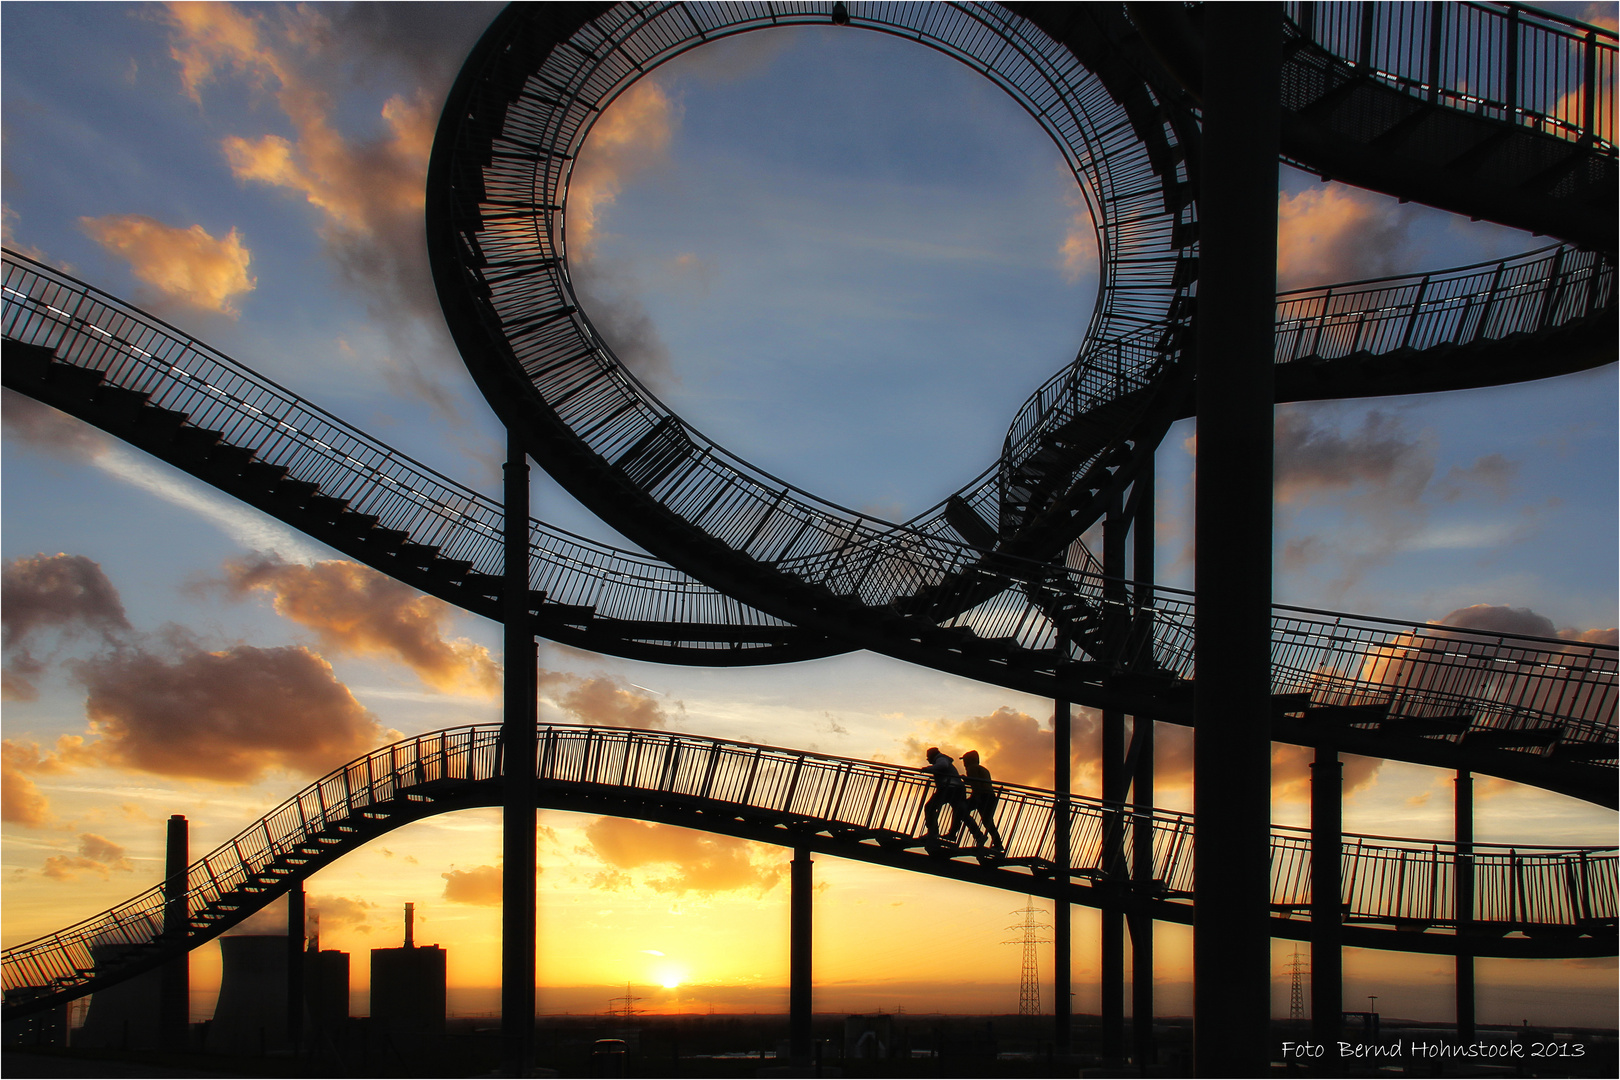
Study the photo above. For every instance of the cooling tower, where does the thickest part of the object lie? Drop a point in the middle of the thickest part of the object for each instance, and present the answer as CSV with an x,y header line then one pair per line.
x,y
251,1017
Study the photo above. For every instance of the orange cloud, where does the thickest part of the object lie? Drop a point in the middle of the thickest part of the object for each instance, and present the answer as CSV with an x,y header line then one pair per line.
x,y
358,611
481,885
21,801
229,716
187,265
1079,249
606,700
97,855
24,803
698,862
369,191
1331,233
336,911
633,135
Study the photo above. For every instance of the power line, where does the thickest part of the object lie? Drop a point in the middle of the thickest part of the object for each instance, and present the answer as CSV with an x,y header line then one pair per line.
x,y
1029,985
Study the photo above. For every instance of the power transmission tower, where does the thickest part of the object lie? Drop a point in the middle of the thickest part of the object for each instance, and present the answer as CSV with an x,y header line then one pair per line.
x,y
1296,989
1029,985
624,1006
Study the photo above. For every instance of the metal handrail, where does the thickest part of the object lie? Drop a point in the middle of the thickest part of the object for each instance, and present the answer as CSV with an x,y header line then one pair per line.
x,y
1517,888
1528,293
1530,67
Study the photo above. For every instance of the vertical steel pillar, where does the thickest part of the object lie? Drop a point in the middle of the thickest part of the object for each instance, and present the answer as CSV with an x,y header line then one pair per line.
x,y
799,971
1062,931
1114,782
1463,834
1141,924
518,748
175,983
1232,703
296,910
1327,910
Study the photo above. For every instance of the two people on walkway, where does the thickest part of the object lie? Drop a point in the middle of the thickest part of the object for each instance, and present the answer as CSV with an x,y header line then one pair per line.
x,y
950,790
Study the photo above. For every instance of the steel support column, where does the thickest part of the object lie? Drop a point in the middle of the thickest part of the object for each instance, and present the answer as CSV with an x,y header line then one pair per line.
x,y
174,991
1114,783
518,749
296,911
1463,834
799,970
1062,938
1232,750
1327,910
1143,1049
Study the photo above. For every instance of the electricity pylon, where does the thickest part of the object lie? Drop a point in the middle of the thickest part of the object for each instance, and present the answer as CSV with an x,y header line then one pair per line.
x,y
1296,989
1029,985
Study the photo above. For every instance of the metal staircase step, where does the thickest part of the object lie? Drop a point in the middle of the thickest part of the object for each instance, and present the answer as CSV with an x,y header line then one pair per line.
x,y
202,440
1586,751
1427,725
1511,738
296,490
1290,703
1347,714
388,538
418,554
264,473
326,507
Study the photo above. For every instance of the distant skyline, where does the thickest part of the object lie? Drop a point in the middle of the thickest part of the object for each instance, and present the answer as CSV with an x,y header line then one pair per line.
x,y
847,259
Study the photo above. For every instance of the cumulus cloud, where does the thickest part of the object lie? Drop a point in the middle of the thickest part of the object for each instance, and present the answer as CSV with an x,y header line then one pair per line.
x,y
1510,620
333,912
680,861
632,137
1333,233
480,885
605,700
23,802
68,594
97,855
227,716
184,264
361,612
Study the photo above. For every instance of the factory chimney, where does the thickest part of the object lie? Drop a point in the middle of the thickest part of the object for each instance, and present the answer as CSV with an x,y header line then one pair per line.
x,y
410,926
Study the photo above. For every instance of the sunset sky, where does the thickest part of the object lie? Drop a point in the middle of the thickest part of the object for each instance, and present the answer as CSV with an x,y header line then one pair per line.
x,y
844,257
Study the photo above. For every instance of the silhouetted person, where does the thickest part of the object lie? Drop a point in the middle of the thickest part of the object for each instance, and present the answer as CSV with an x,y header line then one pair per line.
x,y
983,797
949,790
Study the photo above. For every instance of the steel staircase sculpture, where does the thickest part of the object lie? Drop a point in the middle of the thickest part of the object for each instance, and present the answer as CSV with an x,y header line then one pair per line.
x,y
1398,893
990,583
1420,693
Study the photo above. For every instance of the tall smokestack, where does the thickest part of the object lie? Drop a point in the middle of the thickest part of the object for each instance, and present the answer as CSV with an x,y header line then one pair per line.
x,y
410,926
